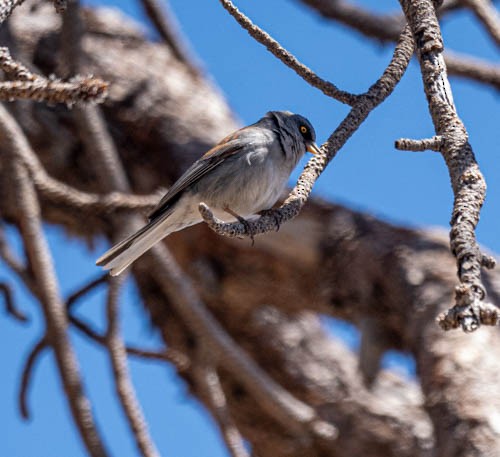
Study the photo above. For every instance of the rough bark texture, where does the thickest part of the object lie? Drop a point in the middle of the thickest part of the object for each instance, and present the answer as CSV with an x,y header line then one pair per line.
x,y
390,281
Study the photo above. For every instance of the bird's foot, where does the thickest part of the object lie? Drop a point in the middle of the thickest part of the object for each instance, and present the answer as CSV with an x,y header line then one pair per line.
x,y
242,220
271,212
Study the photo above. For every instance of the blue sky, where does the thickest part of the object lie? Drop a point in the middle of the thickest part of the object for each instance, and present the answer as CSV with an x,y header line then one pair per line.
x,y
368,174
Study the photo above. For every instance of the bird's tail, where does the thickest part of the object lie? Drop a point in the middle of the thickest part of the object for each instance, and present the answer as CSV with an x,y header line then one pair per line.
x,y
130,249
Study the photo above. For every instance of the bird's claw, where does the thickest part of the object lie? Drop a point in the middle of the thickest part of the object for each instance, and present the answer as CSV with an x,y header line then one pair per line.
x,y
244,222
271,212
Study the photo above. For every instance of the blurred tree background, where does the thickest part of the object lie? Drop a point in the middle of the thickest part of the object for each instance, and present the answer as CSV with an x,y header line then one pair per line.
x,y
321,339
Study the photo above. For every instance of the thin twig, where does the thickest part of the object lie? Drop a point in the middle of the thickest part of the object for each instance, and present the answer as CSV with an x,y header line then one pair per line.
x,y
488,15
406,144
316,165
167,28
176,358
472,68
328,88
180,361
15,264
123,385
27,374
10,306
75,296
210,385
43,270
388,27
468,184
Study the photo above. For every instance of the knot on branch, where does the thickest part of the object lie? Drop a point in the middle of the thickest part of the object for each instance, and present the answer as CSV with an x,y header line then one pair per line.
x,y
469,317
488,261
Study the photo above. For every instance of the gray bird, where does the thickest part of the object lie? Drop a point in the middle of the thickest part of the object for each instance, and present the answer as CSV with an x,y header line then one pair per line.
x,y
242,175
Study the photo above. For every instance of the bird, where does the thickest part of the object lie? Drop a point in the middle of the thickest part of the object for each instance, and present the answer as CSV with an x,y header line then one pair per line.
x,y
242,176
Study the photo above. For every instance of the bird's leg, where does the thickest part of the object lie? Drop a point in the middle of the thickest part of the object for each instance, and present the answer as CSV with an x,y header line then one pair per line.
x,y
242,220
271,212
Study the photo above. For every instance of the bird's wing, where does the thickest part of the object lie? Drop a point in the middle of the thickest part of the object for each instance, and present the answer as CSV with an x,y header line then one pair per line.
x,y
226,148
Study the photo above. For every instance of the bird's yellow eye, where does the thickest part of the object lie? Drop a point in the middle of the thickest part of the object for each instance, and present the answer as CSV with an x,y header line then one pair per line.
x,y
303,129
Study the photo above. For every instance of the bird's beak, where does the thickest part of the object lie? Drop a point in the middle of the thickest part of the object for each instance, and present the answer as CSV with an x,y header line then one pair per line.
x,y
313,148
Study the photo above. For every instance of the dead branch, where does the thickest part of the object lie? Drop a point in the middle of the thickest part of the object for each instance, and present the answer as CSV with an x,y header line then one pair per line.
x,y
211,387
54,312
406,144
179,360
388,28
328,88
123,385
467,181
166,26
80,293
27,374
488,15
10,306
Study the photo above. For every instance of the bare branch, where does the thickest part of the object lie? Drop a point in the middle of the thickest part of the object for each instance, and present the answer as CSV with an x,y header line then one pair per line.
x,y
167,27
27,374
123,384
43,270
61,193
210,385
316,165
10,306
176,358
472,68
328,88
79,89
384,27
75,296
467,181
406,144
388,27
486,13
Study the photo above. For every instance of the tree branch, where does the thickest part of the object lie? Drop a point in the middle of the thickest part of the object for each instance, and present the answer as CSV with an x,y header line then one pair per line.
x,y
166,26
10,306
27,374
467,181
329,89
210,386
42,267
488,15
123,385
388,28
